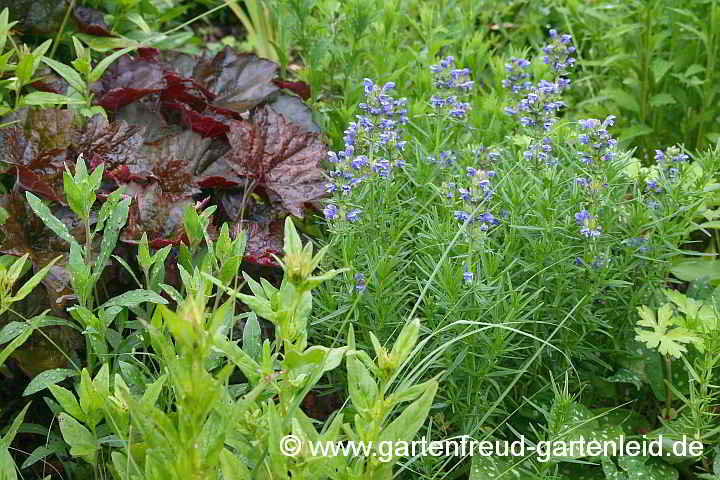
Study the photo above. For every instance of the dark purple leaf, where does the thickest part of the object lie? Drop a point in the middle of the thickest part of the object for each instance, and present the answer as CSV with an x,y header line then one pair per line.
x,y
91,21
238,81
28,180
263,241
302,89
295,110
129,79
114,144
278,156
49,81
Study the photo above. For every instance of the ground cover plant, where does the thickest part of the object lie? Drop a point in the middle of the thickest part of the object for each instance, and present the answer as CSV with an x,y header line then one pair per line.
x,y
514,209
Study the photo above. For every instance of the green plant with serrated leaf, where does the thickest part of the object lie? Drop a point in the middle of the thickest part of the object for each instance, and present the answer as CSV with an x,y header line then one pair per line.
x,y
678,324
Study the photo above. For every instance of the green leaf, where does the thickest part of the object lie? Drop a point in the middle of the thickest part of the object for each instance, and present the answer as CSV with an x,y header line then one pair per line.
x,y
103,64
361,385
659,68
497,468
49,377
7,465
405,342
40,453
6,440
42,211
12,330
23,69
623,99
70,75
249,367
407,424
663,333
15,344
134,298
695,269
28,286
252,344
47,98
232,467
81,440
117,221
624,375
67,401
661,100
292,243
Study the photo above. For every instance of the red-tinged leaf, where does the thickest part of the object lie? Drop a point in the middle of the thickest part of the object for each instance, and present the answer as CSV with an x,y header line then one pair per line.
x,y
186,90
49,81
159,202
263,241
155,212
301,89
119,97
219,182
39,144
201,123
113,144
280,157
122,174
239,81
91,21
28,180
127,80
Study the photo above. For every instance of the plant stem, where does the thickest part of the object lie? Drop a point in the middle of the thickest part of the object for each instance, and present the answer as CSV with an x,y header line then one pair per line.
x,y
62,28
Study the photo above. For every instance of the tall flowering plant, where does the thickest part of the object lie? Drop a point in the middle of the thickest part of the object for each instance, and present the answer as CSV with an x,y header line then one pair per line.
x,y
373,147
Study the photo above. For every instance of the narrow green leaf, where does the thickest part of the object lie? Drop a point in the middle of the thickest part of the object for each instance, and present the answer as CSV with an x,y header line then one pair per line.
x,y
49,377
252,345
70,75
28,287
47,98
42,211
12,330
117,221
12,431
15,344
134,298
100,68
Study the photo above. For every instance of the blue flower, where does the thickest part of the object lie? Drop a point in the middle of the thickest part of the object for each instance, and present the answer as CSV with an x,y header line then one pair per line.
x,y
582,217
467,274
352,215
462,216
368,86
583,182
330,211
359,282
